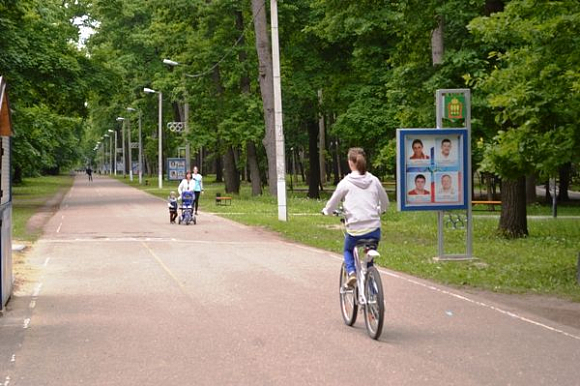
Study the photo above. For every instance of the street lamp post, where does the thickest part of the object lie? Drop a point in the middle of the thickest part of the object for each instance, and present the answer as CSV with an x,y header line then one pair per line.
x,y
121,119
111,151
128,120
160,95
140,147
105,163
185,118
116,145
279,132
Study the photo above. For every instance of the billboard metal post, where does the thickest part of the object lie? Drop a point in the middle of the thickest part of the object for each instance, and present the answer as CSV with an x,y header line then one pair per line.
x,y
455,104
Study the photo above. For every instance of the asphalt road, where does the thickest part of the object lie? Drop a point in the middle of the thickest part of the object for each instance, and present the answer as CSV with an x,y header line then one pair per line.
x,y
118,296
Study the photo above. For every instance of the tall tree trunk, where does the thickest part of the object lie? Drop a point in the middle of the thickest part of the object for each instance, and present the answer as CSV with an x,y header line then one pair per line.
x,y
564,172
254,169
322,141
314,175
493,6
229,162
219,170
266,79
547,196
513,222
335,164
437,47
251,153
531,196
232,177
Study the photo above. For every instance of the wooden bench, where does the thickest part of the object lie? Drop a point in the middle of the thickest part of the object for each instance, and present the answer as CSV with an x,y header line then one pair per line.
x,y
491,204
223,200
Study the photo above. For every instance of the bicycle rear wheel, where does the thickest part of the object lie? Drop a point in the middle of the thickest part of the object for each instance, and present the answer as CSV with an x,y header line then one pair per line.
x,y
348,299
375,307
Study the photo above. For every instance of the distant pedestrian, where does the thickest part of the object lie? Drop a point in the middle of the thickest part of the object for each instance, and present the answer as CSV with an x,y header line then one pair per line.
x,y
90,173
197,186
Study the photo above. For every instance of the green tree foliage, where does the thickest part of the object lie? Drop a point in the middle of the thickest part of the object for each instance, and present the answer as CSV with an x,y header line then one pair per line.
x,y
533,86
49,78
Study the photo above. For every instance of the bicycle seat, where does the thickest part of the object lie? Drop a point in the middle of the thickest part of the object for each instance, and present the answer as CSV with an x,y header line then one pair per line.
x,y
368,243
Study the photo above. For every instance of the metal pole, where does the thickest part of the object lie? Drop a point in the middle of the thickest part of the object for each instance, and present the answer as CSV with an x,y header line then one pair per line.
x,y
130,152
187,145
123,146
279,134
160,140
553,191
115,164
469,248
110,154
140,153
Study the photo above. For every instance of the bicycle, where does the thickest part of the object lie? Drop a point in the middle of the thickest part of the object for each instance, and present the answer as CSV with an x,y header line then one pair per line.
x,y
368,291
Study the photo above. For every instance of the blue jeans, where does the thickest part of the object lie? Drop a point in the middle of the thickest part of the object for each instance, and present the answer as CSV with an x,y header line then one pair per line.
x,y
350,244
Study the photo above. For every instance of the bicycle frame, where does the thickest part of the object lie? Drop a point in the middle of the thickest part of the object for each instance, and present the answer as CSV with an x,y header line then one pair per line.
x,y
369,255
361,269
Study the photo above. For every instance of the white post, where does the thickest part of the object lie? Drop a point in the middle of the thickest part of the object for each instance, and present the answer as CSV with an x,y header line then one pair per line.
x,y
115,163
130,152
160,140
110,154
279,134
187,146
140,153
123,146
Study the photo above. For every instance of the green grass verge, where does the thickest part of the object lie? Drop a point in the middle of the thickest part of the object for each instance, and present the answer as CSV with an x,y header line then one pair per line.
x,y
543,263
30,197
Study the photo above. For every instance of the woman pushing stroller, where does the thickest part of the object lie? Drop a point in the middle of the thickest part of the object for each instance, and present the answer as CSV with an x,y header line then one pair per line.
x,y
186,190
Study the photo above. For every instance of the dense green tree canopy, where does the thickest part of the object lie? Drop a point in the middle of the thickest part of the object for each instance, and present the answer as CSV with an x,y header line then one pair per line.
x,y
367,68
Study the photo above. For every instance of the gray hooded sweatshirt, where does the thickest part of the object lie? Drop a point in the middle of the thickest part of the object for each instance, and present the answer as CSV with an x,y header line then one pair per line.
x,y
364,201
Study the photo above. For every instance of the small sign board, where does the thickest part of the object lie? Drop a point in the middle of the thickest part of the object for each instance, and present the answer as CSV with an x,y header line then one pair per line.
x,y
175,169
431,169
454,107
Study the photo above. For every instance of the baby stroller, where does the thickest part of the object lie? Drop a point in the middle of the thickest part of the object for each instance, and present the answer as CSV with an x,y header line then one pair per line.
x,y
187,215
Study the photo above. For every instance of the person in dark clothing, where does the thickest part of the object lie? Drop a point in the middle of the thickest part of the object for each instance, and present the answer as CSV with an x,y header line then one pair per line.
x,y
90,173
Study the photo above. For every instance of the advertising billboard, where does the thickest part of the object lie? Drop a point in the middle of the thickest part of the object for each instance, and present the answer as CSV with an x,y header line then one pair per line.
x,y
431,169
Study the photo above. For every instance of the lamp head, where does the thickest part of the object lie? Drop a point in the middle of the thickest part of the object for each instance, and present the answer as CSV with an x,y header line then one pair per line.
x,y
131,109
119,119
149,91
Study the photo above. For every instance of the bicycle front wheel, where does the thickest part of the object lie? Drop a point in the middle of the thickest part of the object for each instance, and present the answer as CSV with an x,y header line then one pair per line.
x,y
375,306
348,299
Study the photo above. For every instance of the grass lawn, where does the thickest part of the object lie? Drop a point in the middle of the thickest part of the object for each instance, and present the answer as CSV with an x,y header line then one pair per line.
x,y
29,197
543,263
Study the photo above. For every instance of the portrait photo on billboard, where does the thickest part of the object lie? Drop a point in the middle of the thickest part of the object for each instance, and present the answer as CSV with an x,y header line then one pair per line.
x,y
446,150
419,151
419,185
446,187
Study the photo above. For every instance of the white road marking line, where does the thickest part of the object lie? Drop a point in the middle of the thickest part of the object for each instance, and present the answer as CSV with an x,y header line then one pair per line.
x,y
6,381
37,290
32,304
13,359
151,240
58,229
455,295
26,323
46,261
